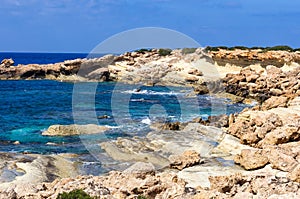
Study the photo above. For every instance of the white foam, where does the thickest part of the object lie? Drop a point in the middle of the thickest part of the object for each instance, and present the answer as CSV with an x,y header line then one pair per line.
x,y
150,92
146,121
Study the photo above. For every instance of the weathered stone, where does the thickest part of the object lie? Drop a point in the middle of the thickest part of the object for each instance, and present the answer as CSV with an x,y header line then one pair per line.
x,y
187,159
281,161
295,174
252,159
274,102
7,63
140,170
74,129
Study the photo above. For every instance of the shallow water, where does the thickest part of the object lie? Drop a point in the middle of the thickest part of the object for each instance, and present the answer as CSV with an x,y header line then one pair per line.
x,y
29,107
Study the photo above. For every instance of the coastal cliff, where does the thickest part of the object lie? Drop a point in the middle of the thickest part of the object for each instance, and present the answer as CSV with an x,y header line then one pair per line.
x,y
254,154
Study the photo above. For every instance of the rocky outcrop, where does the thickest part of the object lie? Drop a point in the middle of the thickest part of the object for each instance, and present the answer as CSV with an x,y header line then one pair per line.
x,y
69,70
74,129
20,173
263,128
6,63
252,159
137,181
157,146
251,57
255,185
263,84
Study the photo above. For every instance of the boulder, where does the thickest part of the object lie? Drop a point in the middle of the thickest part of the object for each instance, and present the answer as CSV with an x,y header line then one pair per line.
x,y
74,129
195,71
281,161
191,79
274,102
187,159
252,159
140,170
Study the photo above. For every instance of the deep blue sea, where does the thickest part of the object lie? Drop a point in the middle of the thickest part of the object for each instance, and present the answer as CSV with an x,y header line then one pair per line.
x,y
40,58
27,108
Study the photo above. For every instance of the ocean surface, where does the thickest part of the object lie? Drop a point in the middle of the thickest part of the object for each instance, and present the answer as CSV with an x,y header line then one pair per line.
x,y
27,108
40,58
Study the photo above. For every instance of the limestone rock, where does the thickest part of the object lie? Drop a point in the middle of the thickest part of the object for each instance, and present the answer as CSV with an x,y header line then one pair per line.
x,y
6,63
281,161
101,74
274,102
140,170
294,175
74,129
252,159
187,159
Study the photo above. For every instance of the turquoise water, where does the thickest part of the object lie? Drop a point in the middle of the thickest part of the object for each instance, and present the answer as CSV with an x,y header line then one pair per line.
x,y
29,107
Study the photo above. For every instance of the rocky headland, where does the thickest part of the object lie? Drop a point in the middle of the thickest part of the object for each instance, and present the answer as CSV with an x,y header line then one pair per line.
x,y
253,154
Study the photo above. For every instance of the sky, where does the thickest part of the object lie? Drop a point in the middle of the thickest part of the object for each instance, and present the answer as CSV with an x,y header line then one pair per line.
x,y
80,25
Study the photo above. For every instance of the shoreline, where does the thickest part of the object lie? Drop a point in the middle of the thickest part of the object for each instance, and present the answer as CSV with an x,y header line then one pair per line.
x,y
267,132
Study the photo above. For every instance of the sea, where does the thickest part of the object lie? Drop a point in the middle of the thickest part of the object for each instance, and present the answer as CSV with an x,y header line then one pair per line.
x,y
29,107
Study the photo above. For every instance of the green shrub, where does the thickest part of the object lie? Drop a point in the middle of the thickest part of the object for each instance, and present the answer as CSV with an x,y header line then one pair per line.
x,y
75,194
188,50
257,48
164,51
276,48
216,48
143,50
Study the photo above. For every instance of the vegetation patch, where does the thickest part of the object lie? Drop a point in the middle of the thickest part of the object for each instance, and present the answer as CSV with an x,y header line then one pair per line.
x,y
143,50
188,50
164,51
75,194
264,49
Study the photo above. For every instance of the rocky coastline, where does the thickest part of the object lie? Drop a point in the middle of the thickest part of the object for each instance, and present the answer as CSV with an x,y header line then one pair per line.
x,y
253,154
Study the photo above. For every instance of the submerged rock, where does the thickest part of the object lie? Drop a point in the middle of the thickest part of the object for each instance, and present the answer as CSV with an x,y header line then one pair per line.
x,y
74,129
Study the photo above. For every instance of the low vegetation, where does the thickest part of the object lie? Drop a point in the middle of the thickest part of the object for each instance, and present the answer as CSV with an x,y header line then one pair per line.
x,y
264,49
164,51
188,50
143,50
75,194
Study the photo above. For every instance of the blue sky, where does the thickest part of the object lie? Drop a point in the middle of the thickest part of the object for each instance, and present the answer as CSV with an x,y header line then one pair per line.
x,y
79,25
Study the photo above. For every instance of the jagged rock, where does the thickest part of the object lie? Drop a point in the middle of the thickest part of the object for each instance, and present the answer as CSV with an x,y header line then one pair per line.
x,y
245,58
294,175
191,79
187,159
252,159
140,170
274,102
281,161
101,74
195,72
6,63
74,129
252,126
174,126
201,89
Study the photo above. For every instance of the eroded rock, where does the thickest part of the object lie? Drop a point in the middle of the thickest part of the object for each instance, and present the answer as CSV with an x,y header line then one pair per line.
x,y
74,129
187,159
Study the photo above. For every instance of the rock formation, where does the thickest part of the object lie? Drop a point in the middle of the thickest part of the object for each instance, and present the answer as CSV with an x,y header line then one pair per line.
x,y
74,129
245,58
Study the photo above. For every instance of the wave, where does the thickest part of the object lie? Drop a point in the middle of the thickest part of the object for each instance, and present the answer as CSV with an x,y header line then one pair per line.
x,y
138,100
150,92
146,121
